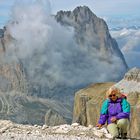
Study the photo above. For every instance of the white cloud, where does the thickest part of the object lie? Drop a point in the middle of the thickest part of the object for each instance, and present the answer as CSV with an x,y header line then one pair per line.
x,y
129,43
50,54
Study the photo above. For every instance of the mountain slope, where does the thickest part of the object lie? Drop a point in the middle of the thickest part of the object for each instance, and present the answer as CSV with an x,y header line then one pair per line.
x,y
56,60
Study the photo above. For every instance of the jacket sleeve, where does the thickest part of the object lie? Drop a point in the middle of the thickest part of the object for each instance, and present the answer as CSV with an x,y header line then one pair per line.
x,y
103,113
125,110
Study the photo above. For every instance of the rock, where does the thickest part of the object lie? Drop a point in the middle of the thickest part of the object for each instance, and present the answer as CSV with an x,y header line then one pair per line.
x,y
108,136
44,127
53,118
29,110
28,132
63,129
130,85
36,125
104,130
90,126
90,31
75,124
61,132
87,103
98,133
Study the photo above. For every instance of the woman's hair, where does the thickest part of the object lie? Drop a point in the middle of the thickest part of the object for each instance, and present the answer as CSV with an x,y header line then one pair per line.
x,y
115,90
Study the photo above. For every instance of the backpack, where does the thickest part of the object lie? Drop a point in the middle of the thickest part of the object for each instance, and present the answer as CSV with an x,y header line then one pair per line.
x,y
123,95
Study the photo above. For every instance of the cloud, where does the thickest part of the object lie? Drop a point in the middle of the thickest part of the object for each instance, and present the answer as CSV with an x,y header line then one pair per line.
x,y
129,43
52,59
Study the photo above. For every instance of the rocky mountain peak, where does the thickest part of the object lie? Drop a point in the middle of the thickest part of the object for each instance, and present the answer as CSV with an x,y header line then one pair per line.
x,y
83,14
91,31
80,15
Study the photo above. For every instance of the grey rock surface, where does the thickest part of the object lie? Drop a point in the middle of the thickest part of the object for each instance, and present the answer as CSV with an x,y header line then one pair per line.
x,y
32,110
130,85
10,130
88,101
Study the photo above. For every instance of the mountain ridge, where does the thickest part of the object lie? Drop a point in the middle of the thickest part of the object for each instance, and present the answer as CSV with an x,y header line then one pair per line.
x,y
59,65
89,28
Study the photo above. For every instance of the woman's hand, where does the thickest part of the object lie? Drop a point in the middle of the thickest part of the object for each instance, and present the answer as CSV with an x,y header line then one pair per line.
x,y
99,125
113,119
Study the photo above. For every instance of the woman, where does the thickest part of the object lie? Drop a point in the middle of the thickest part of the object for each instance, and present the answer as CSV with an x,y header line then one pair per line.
x,y
116,111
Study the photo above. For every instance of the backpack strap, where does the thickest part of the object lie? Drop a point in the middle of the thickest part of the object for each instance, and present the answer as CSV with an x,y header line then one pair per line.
x,y
125,106
104,108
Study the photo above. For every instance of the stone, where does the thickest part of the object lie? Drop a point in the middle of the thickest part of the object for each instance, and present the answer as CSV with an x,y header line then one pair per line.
x,y
53,118
75,124
88,101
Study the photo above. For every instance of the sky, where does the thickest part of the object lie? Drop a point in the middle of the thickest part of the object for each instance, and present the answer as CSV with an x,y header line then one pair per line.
x,y
107,9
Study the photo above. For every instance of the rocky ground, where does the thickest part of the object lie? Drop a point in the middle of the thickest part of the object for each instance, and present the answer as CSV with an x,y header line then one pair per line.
x,y
12,131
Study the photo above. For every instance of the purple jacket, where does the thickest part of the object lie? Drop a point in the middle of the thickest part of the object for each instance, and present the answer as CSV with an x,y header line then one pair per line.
x,y
119,109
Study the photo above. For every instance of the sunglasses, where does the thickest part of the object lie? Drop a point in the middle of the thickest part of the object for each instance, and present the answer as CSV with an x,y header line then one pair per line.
x,y
113,95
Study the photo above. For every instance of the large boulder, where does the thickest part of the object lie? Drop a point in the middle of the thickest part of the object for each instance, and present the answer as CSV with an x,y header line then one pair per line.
x,y
88,101
130,85
52,118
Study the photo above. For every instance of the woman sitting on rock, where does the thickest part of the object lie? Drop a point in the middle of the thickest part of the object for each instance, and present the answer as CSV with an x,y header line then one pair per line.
x,y
116,111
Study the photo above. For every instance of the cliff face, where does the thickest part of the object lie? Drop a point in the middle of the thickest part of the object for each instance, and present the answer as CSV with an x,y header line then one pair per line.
x,y
12,77
12,74
91,32
88,101
130,85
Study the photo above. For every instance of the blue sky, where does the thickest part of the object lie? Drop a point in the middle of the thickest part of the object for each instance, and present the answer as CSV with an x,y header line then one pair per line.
x,y
103,8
